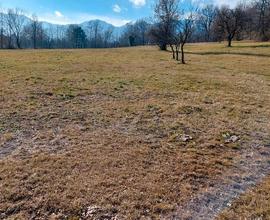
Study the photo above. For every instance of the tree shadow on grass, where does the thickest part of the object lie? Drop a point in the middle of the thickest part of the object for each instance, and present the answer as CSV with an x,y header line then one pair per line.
x,y
228,53
252,46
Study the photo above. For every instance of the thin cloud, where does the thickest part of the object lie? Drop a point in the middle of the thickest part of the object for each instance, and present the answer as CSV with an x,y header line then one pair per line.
x,y
138,3
54,18
58,14
117,8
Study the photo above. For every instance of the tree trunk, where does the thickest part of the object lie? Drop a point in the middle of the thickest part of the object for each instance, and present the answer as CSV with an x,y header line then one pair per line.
x,y
2,38
263,35
177,55
208,36
35,40
229,42
183,54
35,43
173,52
9,42
18,43
163,46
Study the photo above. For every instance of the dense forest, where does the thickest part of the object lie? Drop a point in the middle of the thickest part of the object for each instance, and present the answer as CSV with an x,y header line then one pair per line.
x,y
207,23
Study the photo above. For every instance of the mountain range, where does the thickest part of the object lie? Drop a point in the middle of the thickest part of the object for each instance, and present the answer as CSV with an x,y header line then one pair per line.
x,y
103,26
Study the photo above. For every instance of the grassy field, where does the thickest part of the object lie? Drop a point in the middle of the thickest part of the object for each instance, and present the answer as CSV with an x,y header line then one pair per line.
x,y
127,133
252,205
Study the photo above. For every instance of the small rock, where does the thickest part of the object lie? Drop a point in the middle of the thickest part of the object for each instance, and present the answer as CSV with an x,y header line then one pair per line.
x,y
91,210
232,139
186,138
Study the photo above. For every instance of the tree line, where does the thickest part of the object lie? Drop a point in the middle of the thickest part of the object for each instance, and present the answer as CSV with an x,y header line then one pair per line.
x,y
18,31
176,24
173,25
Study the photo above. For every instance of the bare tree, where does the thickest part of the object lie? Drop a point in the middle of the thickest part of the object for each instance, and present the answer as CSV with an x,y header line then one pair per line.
x,y
51,36
76,36
94,30
15,20
231,21
184,31
142,27
2,28
176,25
166,15
263,7
60,36
206,19
89,32
35,29
250,30
107,36
97,30
8,33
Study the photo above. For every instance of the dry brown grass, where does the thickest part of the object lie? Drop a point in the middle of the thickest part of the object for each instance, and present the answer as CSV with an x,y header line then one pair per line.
x,y
253,205
85,128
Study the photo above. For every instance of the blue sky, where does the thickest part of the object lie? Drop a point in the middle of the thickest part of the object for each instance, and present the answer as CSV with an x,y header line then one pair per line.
x,y
116,12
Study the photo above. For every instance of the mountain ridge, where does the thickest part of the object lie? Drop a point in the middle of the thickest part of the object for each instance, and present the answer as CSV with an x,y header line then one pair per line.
x,y
103,25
